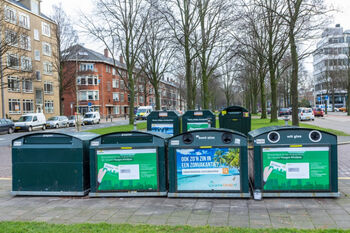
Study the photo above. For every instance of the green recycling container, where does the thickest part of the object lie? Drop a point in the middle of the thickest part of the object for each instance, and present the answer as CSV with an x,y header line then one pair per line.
x,y
235,118
293,162
167,122
51,164
208,163
198,119
128,164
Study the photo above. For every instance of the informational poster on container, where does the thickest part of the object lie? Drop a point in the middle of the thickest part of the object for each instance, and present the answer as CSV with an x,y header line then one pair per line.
x,y
197,125
208,169
120,169
303,168
163,128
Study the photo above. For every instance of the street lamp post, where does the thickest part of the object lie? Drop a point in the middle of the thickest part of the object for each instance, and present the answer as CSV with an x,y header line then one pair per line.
x,y
2,82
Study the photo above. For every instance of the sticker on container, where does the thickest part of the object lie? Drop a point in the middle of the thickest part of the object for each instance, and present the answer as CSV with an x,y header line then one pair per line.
x,y
129,172
238,141
198,113
260,141
175,142
95,143
163,114
224,112
298,171
17,143
246,114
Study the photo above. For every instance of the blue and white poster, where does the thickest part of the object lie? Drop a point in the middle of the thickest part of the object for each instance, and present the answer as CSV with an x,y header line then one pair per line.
x,y
205,169
163,128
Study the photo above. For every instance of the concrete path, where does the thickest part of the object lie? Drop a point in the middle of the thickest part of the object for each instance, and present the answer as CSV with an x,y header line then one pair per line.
x,y
269,213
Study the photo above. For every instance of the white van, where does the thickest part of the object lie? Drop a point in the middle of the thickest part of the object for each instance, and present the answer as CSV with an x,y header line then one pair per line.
x,y
143,112
31,121
92,118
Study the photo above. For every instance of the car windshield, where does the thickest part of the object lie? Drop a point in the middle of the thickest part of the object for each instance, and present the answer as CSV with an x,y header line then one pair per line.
x,y
72,118
308,110
318,109
89,115
141,110
284,109
25,118
53,119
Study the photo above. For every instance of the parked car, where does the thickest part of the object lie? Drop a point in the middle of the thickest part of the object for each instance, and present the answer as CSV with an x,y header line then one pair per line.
x,y
7,126
306,114
343,109
74,118
57,122
268,110
284,112
92,118
31,121
318,112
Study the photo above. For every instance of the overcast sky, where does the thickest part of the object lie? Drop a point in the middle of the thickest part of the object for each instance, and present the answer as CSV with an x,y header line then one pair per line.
x,y
74,7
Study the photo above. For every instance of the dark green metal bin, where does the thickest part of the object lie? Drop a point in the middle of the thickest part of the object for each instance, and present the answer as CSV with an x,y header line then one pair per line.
x,y
235,118
208,163
293,162
200,119
128,164
167,122
51,164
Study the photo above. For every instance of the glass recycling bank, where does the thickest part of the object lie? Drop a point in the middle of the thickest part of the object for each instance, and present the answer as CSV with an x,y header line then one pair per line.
x,y
208,163
201,119
51,164
167,122
128,164
293,162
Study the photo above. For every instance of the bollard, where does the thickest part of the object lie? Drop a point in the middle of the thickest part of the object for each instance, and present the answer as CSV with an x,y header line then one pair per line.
x,y
286,119
135,125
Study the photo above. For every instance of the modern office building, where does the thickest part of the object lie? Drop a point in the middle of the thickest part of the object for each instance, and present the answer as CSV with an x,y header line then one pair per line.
x,y
29,52
331,62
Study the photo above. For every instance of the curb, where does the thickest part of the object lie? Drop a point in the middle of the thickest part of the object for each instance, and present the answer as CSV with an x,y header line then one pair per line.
x,y
343,143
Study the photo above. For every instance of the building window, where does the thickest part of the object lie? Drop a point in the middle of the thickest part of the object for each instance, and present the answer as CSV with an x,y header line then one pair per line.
x,y
141,99
116,110
11,37
108,69
24,20
49,106
89,95
46,49
25,42
83,81
37,75
13,84
114,83
10,15
37,55
12,61
27,86
122,98
36,34
47,68
26,63
28,106
90,80
122,86
45,29
14,106
48,87
113,71
116,96
86,67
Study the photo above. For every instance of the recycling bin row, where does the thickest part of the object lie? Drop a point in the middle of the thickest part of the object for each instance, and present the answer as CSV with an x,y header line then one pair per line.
x,y
284,161
170,122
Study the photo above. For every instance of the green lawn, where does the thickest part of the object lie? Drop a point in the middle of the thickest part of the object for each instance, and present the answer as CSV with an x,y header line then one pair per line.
x,y
119,128
28,227
260,123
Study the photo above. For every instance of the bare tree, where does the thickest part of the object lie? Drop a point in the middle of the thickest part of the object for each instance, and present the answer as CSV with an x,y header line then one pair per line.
x,y
182,18
120,26
66,38
157,52
228,73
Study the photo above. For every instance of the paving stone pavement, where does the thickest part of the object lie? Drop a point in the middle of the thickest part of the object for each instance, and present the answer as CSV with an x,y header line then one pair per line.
x,y
306,213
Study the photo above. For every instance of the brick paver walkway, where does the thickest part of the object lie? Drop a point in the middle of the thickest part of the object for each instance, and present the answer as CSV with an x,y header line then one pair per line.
x,y
273,212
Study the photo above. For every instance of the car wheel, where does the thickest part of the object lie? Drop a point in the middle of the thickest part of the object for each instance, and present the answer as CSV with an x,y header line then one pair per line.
x,y
98,122
10,131
56,126
44,127
30,129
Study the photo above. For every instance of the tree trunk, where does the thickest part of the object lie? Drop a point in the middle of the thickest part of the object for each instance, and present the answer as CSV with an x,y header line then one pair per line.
x,y
60,74
348,99
156,93
188,75
263,97
132,97
273,96
294,81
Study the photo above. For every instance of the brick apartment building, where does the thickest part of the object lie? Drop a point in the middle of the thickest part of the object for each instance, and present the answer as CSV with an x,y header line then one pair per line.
x,y
29,82
99,85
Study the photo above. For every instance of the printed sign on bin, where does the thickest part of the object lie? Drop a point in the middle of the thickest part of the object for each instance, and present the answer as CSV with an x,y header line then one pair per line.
x,y
122,169
305,168
197,125
205,169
